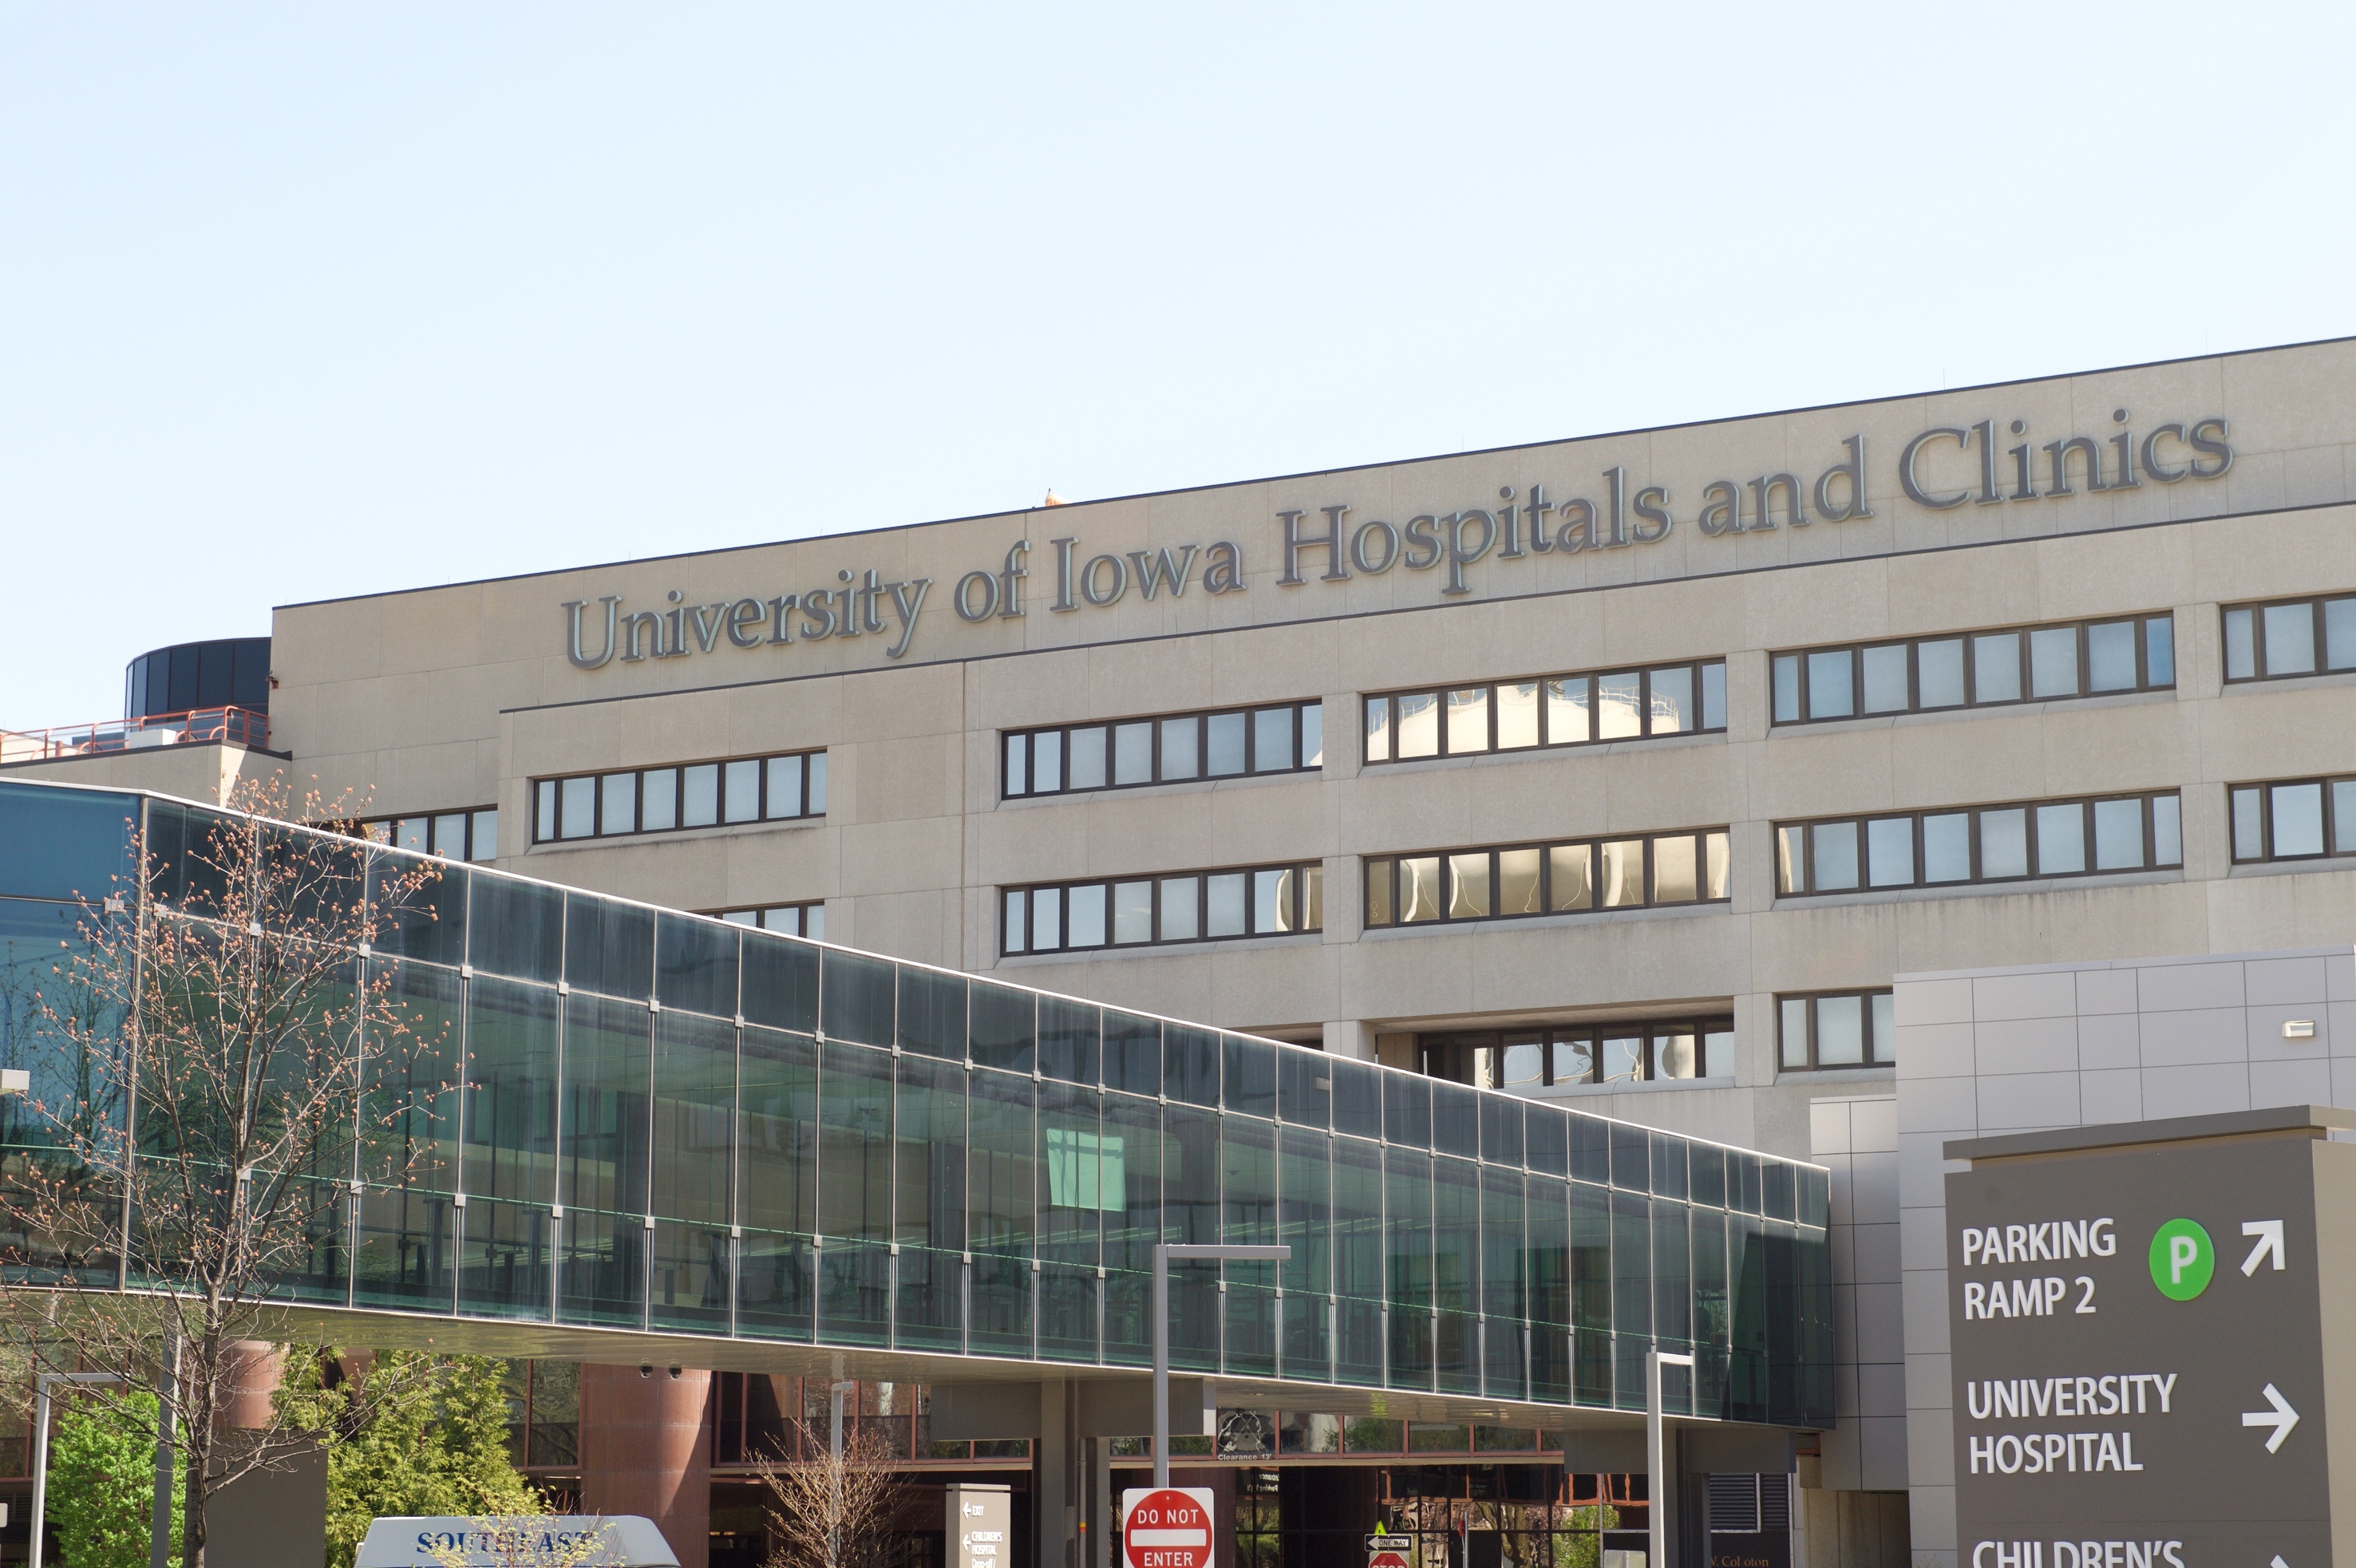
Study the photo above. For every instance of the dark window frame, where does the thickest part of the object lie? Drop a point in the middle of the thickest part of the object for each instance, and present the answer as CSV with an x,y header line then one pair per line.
x,y
2255,609
1913,646
1547,1036
1875,1054
386,830
547,796
1372,866
1807,827
757,917
2263,789
1305,873
1201,717
1546,741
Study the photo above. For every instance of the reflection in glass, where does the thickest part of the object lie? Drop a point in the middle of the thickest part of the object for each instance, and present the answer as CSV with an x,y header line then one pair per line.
x,y
1674,870
1885,678
1083,915
2340,634
658,808
617,810
1468,886
1132,911
1518,715
1271,740
1790,859
1517,882
1087,764
1418,889
1619,706
1468,721
1840,1031
1133,753
699,796
1621,878
741,791
2111,657
1182,747
1939,667
1271,900
1623,1059
2343,817
1181,914
1890,851
1574,1060
1418,724
1226,900
2167,831
1570,875
1673,706
1834,850
1567,718
1227,744
1786,679
1718,866
1793,1028
1673,1055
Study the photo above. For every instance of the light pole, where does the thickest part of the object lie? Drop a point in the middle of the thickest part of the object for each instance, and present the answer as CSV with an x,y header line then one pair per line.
x,y
1164,1255
1656,1517
45,1382
834,1471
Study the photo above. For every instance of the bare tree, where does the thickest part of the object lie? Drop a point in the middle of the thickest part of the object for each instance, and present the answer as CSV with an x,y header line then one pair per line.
x,y
214,1072
826,1511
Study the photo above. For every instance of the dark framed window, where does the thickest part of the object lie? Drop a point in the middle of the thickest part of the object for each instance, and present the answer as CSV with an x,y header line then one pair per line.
x,y
795,920
1174,748
470,835
1547,710
2284,638
1559,1055
1836,1029
1514,881
1182,906
2293,819
668,800
1960,845
1973,669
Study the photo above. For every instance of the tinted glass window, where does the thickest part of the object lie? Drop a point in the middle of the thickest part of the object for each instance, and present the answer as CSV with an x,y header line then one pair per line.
x,y
695,964
63,844
856,995
1005,1028
780,983
516,928
932,1013
609,947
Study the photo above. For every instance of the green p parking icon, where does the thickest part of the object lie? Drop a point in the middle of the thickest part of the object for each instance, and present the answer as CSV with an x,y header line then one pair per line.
x,y
2182,1260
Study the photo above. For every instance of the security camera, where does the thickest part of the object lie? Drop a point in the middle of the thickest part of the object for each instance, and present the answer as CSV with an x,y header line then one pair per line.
x,y
645,1369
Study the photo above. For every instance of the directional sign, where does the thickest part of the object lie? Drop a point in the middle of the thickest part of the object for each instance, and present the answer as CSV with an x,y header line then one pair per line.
x,y
1393,1555
2126,1391
1166,1529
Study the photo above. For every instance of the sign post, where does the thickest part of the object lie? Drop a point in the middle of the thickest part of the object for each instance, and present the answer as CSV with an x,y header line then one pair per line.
x,y
981,1518
2141,1375
1166,1527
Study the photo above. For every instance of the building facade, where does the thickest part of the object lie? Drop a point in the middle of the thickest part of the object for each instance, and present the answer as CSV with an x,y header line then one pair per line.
x,y
1625,771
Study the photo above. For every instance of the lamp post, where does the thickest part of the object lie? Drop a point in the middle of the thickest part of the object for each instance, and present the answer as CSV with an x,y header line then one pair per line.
x,y
834,1470
1164,1255
1656,1517
45,1382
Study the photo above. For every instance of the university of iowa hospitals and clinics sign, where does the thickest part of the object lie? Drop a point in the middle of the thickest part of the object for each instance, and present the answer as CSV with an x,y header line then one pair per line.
x,y
1984,464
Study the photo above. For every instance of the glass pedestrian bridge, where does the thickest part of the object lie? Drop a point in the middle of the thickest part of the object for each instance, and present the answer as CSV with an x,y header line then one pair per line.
x,y
637,1135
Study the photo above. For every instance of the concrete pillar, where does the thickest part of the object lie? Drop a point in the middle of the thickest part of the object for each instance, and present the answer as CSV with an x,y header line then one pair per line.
x,y
646,1448
1057,1511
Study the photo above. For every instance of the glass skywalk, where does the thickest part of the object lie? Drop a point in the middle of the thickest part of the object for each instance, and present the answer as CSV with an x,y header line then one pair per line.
x,y
636,1118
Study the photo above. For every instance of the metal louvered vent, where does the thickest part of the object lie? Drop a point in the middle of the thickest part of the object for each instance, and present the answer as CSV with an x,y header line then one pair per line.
x,y
1774,1502
1734,1502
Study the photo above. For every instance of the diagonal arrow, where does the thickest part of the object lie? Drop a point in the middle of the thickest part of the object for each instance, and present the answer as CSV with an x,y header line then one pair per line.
x,y
2278,1562
2269,1233
2282,1418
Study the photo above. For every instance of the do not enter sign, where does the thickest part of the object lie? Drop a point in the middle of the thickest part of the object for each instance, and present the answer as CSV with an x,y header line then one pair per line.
x,y
1166,1529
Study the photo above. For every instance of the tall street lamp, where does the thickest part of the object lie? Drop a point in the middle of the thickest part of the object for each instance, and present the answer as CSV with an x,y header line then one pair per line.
x,y
1164,1255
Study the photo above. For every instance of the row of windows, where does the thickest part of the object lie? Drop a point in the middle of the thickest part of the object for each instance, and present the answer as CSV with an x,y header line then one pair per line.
x,y
1843,1028
1547,878
1288,738
1522,1061
794,919
453,834
2276,642
1983,844
2297,820
661,800
2021,663
1547,710
1261,900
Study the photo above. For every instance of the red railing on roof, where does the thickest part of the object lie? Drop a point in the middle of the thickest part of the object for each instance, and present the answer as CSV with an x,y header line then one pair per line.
x,y
234,726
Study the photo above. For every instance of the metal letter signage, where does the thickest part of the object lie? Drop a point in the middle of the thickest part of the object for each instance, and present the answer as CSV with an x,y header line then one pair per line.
x,y
2121,1401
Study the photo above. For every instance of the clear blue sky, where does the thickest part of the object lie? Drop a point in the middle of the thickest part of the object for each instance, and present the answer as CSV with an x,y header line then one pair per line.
x,y
303,301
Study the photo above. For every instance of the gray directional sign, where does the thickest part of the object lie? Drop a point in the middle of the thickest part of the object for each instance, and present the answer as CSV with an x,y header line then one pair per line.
x,y
2136,1319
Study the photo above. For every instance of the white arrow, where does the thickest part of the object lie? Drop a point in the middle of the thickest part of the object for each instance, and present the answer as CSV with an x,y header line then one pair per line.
x,y
2278,1562
2269,1233
2282,1418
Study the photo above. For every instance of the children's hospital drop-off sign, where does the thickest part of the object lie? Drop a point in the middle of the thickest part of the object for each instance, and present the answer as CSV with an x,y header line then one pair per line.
x,y
2142,1378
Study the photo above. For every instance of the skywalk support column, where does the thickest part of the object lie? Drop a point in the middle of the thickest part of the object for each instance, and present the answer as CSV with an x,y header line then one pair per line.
x,y
646,1448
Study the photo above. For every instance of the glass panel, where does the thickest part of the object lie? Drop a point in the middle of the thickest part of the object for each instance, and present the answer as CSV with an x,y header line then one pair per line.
x,y
1620,876
1518,715
609,947
1225,915
2159,651
2290,639
695,964
516,928
1672,705
1018,766
1574,1059
1840,1031
543,821
1132,1053
1517,882
1718,866
1794,1029
2111,657
857,993
1790,859
1468,721
1378,729
602,1162
2241,646
2061,840
1521,1065
699,796
1312,897
1713,696
1673,1055
576,816
1830,693
932,1012
1086,769
741,791
1419,881
1083,915
450,835
2340,634
1567,710
1181,741
1619,706
1271,740
1227,744
2249,837
1885,1027
786,784
1047,762
1190,1064
1312,734
1132,911
1018,910
1889,852
1418,724
776,1181
2054,662
1674,870
2297,812
1133,753
1939,669
1885,678
1468,886
1005,1026
414,833
2166,832
1947,847
1995,667
1271,902
658,801
1787,689
1833,847
694,1112
2004,843
1181,909
928,1161
780,983
2119,835
1002,1187
2343,816
1569,877
1046,919
1623,1059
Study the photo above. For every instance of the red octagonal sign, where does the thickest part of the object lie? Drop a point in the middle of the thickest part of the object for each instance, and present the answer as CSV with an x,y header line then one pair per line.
x,y
1168,1528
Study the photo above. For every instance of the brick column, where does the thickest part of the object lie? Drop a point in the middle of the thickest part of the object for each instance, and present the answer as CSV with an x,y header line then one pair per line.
x,y
646,1448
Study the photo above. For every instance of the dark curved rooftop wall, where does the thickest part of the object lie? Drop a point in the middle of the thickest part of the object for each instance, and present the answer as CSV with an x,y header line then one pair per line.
x,y
675,1124
226,672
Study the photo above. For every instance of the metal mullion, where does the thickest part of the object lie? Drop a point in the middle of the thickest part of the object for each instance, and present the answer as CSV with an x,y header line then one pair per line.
x,y
2142,624
2085,660
1491,703
1800,683
2028,836
1972,847
1251,740
1914,675
1811,1011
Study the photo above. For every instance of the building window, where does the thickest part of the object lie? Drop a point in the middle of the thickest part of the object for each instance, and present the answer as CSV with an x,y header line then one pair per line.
x,y
663,800
453,834
1515,880
1979,844
1973,669
795,920
2295,819
1129,753
1525,1060
1135,911
1836,1029
1547,710
2290,637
